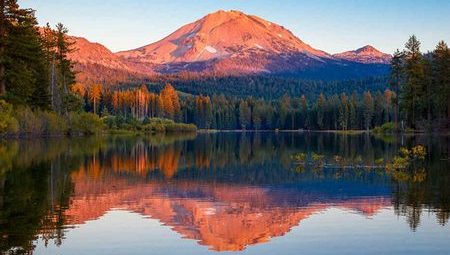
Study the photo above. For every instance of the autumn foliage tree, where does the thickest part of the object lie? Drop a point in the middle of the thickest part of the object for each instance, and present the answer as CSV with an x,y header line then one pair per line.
x,y
171,102
95,93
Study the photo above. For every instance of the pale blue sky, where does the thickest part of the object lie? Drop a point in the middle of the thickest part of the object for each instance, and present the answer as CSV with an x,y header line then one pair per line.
x,y
330,25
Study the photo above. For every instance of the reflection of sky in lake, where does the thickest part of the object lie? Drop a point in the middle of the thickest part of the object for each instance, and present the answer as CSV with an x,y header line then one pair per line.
x,y
122,232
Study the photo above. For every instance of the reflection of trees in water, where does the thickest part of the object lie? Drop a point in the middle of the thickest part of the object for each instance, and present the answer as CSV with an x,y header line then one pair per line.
x,y
411,197
33,200
428,191
36,185
34,195
7,152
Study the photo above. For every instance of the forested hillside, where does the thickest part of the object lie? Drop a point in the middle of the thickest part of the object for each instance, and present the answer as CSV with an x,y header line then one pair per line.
x,y
265,86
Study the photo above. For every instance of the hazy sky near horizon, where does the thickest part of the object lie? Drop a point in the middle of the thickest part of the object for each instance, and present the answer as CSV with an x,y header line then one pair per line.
x,y
330,25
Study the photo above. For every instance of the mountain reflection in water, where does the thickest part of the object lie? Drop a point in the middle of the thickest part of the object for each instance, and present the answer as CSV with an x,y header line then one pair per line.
x,y
227,191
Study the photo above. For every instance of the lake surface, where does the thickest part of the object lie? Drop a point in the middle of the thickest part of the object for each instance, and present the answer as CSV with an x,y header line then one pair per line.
x,y
224,193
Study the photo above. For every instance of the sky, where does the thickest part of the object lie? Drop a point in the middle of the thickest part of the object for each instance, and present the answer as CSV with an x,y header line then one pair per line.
x,y
330,25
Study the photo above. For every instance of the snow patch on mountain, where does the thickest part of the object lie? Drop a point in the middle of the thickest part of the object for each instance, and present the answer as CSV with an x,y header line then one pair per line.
x,y
210,49
259,46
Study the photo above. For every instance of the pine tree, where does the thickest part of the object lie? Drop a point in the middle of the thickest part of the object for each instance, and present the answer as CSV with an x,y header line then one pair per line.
x,y
441,80
397,63
244,115
379,109
320,108
427,99
353,108
65,76
22,62
334,102
368,110
413,88
388,99
258,114
304,112
285,110
344,112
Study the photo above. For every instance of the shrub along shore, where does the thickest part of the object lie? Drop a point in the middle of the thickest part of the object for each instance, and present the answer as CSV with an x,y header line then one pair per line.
x,y
24,122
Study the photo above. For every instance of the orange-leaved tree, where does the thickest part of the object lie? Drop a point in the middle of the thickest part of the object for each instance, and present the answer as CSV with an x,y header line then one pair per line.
x,y
170,101
95,93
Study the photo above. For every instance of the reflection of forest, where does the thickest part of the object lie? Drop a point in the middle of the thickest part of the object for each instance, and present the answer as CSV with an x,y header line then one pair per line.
x,y
194,184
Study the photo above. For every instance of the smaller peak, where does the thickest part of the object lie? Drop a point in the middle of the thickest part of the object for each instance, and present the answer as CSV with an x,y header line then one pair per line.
x,y
367,48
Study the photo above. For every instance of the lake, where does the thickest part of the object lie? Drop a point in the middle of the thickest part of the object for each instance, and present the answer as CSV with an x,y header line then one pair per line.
x,y
225,193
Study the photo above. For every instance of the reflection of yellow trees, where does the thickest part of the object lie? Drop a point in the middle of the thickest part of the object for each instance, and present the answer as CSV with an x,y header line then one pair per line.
x,y
408,165
140,161
202,160
168,162
8,152
93,169
139,164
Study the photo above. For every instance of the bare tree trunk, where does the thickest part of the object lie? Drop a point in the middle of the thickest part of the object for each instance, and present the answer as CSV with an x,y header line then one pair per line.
x,y
2,189
53,84
397,108
2,48
429,124
2,76
292,121
414,113
448,113
64,98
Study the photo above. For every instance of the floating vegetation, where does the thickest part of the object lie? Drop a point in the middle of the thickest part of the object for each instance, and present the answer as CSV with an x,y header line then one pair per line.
x,y
318,162
407,165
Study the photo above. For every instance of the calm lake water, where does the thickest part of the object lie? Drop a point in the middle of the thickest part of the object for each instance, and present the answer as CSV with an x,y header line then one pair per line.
x,y
227,193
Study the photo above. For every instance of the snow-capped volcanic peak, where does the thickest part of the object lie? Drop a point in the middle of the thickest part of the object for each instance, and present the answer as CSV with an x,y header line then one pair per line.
x,y
219,35
367,55
226,43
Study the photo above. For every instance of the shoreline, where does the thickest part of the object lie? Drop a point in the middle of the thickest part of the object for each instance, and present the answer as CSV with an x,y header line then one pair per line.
x,y
212,131
346,132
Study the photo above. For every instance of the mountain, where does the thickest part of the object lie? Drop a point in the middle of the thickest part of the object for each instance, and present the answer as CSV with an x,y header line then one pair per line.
x,y
227,43
222,35
94,53
366,55
96,63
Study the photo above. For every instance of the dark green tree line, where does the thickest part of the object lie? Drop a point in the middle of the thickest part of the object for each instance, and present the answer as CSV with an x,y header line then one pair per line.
x,y
422,82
